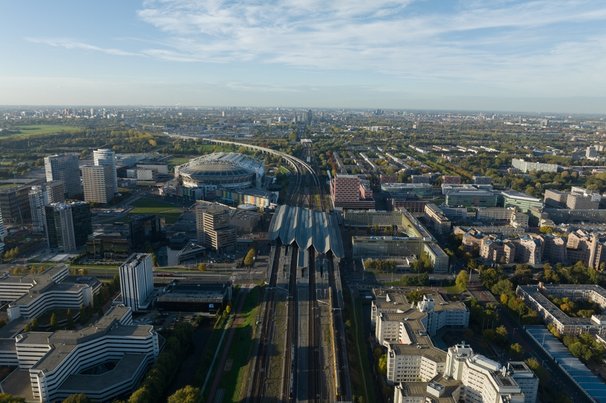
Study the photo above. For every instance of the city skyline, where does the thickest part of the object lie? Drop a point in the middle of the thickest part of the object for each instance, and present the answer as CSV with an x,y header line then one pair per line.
x,y
505,55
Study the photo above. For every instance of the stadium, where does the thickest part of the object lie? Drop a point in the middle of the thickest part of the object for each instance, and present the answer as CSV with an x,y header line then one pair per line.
x,y
224,170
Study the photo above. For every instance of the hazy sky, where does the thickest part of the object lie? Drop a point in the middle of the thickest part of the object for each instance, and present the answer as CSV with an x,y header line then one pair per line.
x,y
544,55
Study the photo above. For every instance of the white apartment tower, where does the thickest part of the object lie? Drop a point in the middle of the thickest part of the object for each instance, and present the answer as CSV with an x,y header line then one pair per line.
x,y
136,281
106,157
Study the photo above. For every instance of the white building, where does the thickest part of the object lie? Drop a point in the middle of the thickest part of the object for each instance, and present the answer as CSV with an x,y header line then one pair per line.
x,y
105,157
56,361
136,281
486,381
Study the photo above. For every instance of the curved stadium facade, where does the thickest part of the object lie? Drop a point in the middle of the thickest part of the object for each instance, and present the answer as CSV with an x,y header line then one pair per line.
x,y
224,170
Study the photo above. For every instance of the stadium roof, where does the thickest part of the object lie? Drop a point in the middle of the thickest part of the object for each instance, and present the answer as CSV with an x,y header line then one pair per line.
x,y
306,228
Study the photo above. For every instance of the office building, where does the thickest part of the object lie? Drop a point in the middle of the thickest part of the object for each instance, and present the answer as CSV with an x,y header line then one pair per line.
x,y
486,381
98,187
65,168
521,201
38,199
137,281
213,224
68,225
2,234
14,205
105,157
41,196
59,363
468,196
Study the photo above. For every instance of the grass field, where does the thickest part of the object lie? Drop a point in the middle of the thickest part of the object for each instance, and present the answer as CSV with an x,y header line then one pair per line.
x,y
41,130
178,160
171,213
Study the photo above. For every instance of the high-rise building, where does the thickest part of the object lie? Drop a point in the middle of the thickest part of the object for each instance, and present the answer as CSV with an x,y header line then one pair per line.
x,y
66,168
98,187
136,281
348,191
38,198
55,191
2,234
68,225
14,205
105,157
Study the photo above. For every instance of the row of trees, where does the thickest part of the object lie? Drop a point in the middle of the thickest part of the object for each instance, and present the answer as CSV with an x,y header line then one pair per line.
x,y
11,253
584,346
382,265
154,385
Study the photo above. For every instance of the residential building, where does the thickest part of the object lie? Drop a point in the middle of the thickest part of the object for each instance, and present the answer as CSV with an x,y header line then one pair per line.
x,y
526,166
497,250
582,199
347,192
554,198
105,157
2,234
98,185
439,222
68,225
136,281
529,250
536,298
451,179
65,168
484,380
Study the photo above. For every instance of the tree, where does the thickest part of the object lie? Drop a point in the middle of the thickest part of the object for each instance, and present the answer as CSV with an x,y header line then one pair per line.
x,y
382,364
6,398
516,349
187,394
53,321
77,398
201,266
249,259
462,280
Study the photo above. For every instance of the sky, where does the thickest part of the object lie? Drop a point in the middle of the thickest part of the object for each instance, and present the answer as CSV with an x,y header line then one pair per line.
x,y
533,55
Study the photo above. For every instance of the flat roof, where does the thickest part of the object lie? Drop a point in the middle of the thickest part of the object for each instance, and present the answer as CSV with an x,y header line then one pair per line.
x,y
591,384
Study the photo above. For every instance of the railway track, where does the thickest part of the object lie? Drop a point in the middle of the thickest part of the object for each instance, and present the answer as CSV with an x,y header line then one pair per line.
x,y
261,371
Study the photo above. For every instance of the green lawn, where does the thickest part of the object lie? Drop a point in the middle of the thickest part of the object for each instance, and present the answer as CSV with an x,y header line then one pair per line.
x,y
178,160
171,213
41,130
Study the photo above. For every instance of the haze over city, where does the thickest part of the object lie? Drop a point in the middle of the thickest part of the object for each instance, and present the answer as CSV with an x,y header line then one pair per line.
x,y
430,54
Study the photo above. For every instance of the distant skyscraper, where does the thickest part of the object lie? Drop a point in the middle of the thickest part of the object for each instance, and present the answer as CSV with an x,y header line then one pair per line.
x,y
310,117
98,187
64,167
107,157
136,281
68,225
